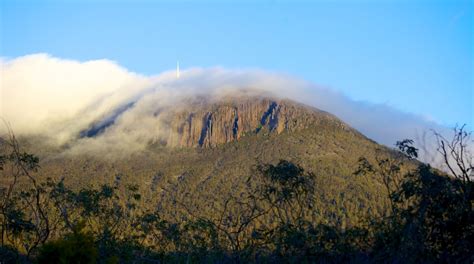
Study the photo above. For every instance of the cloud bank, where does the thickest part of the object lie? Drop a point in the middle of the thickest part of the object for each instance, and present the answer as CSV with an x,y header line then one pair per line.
x,y
60,99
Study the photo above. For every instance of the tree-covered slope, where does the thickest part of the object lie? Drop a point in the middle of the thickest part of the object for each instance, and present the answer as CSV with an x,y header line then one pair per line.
x,y
213,147
234,180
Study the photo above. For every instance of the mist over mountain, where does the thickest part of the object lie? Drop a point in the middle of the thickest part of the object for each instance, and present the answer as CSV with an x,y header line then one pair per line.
x,y
70,102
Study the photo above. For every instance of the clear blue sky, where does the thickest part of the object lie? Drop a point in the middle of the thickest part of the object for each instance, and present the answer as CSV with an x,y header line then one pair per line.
x,y
417,56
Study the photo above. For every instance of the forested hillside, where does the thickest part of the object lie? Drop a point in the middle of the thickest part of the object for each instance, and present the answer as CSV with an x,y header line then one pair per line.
x,y
221,154
253,180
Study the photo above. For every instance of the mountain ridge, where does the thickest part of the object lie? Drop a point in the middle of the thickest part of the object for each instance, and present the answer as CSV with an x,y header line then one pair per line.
x,y
208,122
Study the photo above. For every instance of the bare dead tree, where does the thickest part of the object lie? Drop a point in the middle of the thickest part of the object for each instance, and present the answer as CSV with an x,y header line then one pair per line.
x,y
458,157
457,154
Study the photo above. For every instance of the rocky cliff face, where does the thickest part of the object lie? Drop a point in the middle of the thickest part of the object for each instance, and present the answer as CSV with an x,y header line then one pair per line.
x,y
202,123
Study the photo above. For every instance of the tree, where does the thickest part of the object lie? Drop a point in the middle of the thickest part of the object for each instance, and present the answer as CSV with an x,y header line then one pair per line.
x,y
25,223
431,218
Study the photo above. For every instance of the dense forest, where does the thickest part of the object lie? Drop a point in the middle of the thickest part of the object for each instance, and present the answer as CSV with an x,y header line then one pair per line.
x,y
277,215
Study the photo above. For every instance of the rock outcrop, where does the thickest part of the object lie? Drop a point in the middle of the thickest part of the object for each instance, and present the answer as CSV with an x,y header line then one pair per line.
x,y
202,123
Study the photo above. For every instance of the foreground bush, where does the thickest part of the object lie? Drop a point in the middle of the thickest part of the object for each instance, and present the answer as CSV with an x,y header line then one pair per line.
x,y
77,247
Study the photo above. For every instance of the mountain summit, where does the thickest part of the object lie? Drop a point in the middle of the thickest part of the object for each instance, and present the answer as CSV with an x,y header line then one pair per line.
x,y
203,123
206,122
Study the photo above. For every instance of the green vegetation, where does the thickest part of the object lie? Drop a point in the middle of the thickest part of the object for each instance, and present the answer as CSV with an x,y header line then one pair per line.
x,y
279,212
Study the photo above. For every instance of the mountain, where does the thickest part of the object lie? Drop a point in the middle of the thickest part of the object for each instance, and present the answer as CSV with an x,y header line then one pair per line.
x,y
212,145
234,179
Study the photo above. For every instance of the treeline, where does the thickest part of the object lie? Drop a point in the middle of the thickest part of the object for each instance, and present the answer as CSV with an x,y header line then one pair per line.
x,y
429,218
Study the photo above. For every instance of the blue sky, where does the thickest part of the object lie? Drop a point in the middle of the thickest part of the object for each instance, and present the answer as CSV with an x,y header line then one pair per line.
x,y
416,56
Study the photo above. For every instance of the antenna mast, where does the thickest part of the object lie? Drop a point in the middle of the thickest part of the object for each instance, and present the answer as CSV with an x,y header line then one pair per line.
x,y
177,70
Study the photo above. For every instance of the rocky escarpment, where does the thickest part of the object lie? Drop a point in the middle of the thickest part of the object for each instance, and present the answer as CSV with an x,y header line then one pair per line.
x,y
202,123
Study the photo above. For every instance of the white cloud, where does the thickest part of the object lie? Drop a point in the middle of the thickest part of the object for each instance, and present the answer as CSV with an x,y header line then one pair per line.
x,y
60,98
40,92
